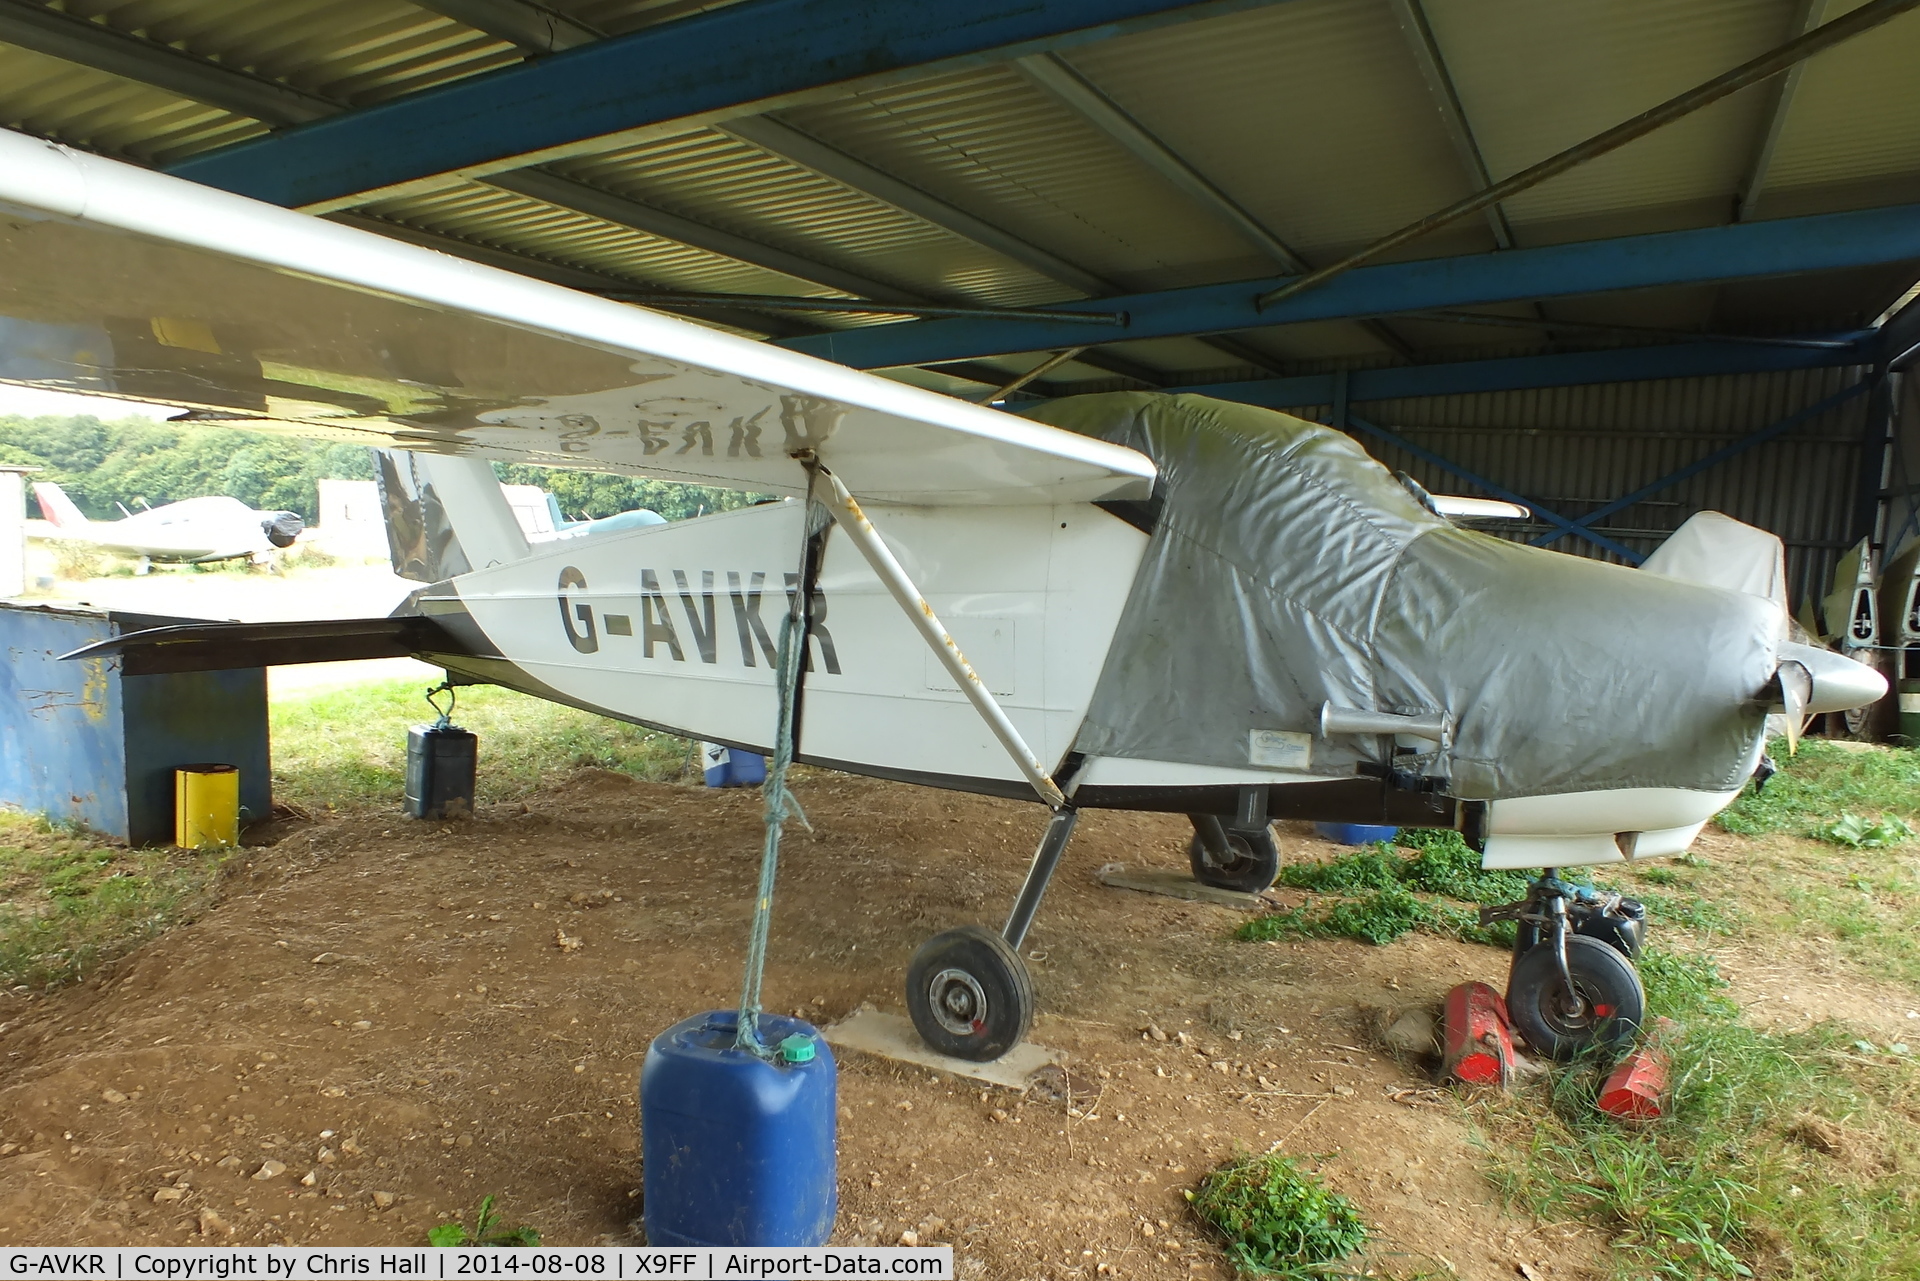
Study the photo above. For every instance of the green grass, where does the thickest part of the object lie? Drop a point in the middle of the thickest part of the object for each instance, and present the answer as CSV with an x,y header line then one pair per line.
x,y
346,749
1278,1220
69,901
1823,783
1790,1155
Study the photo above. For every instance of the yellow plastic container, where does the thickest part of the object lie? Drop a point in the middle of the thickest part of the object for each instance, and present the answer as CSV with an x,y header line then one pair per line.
x,y
206,806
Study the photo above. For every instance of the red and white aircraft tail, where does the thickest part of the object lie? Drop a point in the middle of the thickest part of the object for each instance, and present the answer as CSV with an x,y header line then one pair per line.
x,y
57,507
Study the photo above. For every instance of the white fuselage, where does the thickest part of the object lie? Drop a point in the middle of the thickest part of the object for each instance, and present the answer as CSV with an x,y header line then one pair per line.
x,y
675,626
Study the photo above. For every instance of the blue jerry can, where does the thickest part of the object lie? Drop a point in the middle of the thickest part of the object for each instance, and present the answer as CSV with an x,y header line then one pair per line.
x,y
738,1151
730,767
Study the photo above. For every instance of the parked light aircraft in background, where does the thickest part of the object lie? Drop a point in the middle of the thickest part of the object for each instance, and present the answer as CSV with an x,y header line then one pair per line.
x,y
1177,605
196,530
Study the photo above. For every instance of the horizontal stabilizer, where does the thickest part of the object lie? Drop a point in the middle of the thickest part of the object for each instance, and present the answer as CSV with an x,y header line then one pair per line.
x,y
212,647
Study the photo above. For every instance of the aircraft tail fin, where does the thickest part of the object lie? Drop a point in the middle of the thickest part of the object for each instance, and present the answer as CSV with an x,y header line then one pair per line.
x,y
445,516
57,507
1715,550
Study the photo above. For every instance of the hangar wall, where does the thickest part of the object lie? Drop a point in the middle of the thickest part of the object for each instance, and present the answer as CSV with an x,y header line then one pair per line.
x,y
1577,448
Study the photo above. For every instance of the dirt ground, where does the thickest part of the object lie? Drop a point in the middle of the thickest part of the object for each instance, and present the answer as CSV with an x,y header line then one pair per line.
x,y
410,1016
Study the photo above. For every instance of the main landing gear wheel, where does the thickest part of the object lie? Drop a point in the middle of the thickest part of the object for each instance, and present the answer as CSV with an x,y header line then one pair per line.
x,y
969,994
1603,1011
1250,863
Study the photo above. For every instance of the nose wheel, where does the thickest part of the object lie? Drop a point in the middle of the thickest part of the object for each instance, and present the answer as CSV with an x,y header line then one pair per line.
x,y
1599,1005
1573,988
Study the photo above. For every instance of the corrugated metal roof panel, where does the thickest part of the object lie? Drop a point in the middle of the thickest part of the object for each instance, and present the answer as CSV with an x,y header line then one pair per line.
x,y
1311,114
353,51
90,109
989,142
508,221
1854,117
720,180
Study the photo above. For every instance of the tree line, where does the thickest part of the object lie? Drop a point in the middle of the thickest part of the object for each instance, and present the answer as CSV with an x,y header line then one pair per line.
x,y
135,463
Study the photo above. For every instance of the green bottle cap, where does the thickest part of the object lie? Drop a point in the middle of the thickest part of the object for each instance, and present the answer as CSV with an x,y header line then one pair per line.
x,y
796,1049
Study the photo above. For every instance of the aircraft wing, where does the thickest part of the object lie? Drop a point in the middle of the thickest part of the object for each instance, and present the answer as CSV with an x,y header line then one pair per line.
x,y
116,280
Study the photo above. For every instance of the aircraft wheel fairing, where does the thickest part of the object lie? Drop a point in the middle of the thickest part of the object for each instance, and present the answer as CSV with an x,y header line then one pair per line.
x,y
1604,1010
969,994
1251,863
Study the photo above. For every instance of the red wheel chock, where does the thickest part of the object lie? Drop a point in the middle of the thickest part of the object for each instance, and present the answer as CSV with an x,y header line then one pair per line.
x,y
1636,1089
1478,1040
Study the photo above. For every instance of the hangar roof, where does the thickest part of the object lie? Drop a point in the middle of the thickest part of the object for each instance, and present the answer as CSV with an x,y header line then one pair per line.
x,y
1173,158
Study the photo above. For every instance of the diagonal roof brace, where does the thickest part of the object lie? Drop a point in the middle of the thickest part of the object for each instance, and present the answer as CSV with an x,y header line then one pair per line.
x,y
30,25
1771,63
1085,99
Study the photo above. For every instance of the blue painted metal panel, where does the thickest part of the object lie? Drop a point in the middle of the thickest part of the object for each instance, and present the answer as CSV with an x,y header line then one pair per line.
x,y
710,64
80,742
1785,246
62,745
1571,369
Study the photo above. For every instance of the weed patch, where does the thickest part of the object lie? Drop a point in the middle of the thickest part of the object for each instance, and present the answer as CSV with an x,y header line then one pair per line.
x,y
1818,789
68,901
1278,1220
1379,893
486,1230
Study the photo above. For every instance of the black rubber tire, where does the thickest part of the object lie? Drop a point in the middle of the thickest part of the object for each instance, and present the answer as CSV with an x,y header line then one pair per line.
x,y
1616,1004
1255,861
969,994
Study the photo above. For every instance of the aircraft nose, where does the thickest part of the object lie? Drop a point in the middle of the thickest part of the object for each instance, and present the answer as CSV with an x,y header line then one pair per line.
x,y
282,528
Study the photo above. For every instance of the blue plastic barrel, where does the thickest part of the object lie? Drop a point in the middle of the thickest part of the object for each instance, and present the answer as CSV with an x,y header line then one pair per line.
x,y
1355,833
730,767
738,1151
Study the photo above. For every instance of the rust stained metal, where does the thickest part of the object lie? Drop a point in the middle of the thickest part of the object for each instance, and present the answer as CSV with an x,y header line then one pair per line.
x,y
847,513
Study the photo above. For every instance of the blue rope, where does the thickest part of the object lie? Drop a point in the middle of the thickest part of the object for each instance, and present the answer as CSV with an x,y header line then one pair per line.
x,y
780,804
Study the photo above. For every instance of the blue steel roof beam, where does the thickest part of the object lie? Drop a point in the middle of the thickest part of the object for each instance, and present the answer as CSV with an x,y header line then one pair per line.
x,y
1453,117
743,59
92,44
1807,16
1526,373
1086,100
1775,247
529,25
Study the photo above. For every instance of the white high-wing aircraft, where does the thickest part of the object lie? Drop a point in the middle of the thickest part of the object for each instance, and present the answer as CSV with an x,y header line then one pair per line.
x,y
1163,603
196,530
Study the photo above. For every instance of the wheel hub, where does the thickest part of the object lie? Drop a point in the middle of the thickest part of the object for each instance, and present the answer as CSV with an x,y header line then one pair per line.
x,y
958,1002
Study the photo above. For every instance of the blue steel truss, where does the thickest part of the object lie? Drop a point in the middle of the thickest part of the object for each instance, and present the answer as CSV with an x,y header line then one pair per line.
x,y
1783,246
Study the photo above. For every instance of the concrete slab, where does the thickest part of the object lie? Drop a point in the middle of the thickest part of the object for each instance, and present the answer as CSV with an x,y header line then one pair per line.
x,y
1176,885
889,1036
